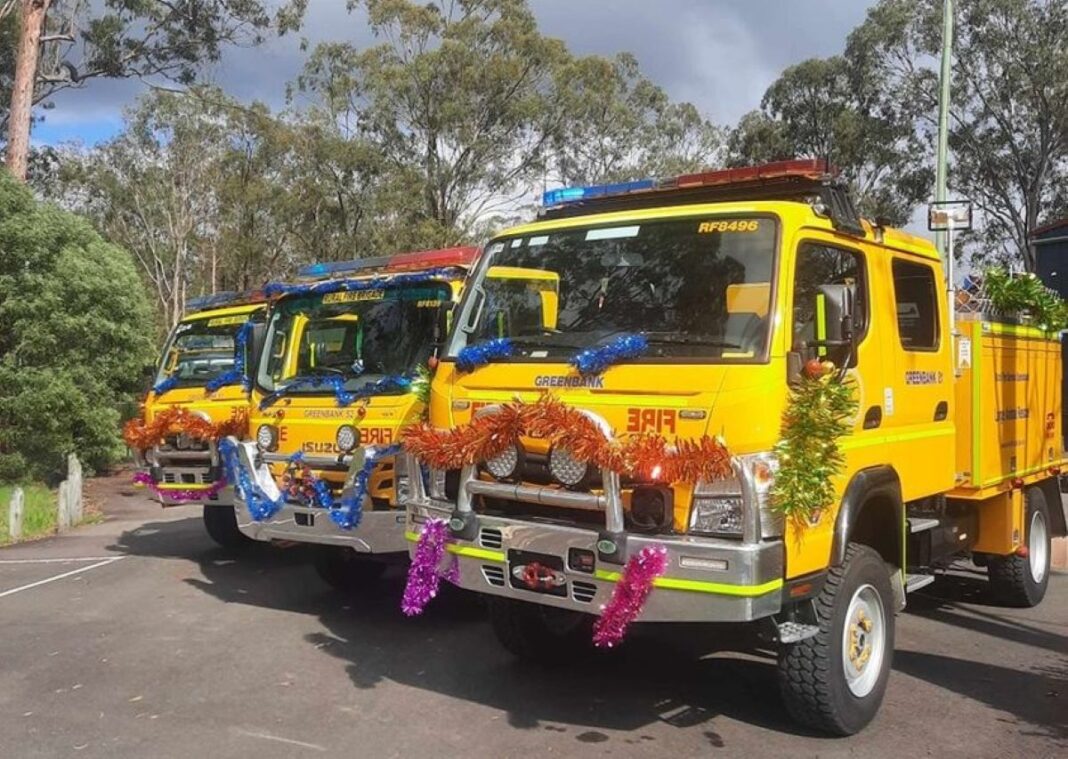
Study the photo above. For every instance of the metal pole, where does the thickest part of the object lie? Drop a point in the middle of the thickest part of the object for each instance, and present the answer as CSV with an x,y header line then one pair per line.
x,y
941,160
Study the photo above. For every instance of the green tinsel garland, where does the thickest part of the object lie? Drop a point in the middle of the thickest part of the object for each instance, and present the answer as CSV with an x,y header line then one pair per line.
x,y
819,413
1025,294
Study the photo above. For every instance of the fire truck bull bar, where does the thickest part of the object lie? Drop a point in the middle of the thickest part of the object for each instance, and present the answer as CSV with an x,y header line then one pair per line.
x,y
707,579
379,532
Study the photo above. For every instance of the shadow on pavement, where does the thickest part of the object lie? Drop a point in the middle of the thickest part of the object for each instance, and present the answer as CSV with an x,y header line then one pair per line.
x,y
1032,698
667,674
943,602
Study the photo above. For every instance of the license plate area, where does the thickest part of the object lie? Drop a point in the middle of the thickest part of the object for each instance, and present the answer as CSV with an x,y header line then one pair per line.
x,y
537,573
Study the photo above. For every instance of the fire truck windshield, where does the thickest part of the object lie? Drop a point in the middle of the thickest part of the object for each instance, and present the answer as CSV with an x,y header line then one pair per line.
x,y
361,335
698,287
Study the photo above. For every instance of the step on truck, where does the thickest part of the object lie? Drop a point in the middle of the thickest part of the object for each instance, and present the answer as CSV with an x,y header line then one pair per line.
x,y
345,370
737,281
201,385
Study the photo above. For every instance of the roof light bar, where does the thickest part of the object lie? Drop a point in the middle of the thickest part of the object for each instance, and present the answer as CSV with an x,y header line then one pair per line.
x,y
575,194
227,298
809,168
424,259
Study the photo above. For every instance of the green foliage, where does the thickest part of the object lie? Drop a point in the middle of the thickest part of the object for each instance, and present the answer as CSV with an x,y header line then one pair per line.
x,y
1009,107
819,413
830,109
421,383
1025,295
73,338
39,510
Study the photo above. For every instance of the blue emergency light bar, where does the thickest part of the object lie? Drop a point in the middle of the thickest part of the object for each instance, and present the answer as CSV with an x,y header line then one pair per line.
x,y
564,195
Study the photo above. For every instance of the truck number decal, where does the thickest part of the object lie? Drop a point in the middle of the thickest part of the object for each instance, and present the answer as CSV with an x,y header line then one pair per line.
x,y
655,419
733,225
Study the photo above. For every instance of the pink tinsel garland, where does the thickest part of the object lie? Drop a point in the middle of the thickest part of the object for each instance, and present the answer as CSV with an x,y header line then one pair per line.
x,y
144,478
630,595
424,575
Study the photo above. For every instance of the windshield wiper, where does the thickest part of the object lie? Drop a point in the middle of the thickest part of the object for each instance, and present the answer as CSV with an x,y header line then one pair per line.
x,y
704,341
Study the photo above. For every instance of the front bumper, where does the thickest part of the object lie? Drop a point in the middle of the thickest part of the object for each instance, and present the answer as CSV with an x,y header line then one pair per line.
x,y
379,531
178,476
707,580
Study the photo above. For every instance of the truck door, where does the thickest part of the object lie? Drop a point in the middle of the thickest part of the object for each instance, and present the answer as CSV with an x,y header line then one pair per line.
x,y
919,426
828,261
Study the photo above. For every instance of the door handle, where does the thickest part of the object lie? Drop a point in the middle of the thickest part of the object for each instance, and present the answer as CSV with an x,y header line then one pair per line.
x,y
873,417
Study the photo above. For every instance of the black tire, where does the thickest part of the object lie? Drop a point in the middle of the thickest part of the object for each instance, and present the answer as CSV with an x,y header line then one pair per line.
x,y
347,571
812,674
1012,578
221,524
542,634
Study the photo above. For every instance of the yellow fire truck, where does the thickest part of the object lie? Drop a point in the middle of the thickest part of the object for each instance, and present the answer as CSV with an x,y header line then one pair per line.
x,y
202,371
737,280
339,379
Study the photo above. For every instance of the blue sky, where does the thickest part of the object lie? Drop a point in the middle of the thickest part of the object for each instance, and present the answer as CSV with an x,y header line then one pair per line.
x,y
718,54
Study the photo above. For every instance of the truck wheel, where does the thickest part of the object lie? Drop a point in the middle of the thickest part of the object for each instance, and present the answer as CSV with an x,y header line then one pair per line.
x,y
539,633
1022,580
345,570
221,524
835,680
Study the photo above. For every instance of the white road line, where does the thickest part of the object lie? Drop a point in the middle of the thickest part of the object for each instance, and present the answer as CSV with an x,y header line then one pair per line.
x,y
290,741
58,561
47,580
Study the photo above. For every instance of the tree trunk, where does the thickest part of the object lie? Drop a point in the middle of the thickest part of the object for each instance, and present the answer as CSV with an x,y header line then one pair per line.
x,y
33,14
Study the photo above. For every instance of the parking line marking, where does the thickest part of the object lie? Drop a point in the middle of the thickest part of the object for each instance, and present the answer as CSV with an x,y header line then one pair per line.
x,y
280,739
47,580
58,561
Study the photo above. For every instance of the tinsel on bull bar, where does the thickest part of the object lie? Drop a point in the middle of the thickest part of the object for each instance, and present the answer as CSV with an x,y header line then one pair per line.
x,y
646,456
141,436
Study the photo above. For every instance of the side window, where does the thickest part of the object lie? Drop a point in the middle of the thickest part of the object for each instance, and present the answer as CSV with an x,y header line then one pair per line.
x,y
916,296
818,265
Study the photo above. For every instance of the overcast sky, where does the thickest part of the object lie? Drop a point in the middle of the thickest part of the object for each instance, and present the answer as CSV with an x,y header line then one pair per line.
x,y
718,54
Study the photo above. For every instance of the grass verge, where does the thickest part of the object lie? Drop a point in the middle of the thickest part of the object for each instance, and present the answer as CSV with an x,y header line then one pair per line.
x,y
38,514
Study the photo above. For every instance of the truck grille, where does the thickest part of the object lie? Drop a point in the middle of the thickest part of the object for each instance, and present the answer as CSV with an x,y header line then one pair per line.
x,y
494,575
489,537
583,592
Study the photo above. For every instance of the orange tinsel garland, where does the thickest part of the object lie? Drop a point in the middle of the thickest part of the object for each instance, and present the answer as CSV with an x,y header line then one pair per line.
x,y
644,456
141,436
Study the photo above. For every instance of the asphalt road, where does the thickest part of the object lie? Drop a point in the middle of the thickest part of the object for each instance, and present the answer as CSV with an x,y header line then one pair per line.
x,y
144,640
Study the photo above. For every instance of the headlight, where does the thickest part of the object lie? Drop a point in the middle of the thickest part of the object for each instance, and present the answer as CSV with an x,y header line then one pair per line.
x,y
267,437
565,468
716,514
346,438
505,464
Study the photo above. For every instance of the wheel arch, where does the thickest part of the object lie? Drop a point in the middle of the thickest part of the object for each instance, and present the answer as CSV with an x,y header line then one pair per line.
x,y
1051,489
872,512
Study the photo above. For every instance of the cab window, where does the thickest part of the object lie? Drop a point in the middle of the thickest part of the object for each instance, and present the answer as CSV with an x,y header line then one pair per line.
x,y
818,265
916,298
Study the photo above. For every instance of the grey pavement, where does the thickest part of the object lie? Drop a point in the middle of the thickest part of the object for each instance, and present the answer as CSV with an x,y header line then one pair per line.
x,y
155,643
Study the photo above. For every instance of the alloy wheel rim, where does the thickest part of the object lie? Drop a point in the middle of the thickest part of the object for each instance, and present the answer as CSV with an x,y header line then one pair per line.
x,y
1038,546
863,641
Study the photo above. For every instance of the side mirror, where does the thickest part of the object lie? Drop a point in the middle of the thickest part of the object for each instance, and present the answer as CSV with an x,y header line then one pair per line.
x,y
835,331
837,323
147,378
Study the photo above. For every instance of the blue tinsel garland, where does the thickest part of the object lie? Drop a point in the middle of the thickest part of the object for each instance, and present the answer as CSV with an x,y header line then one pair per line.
x,y
473,356
337,384
165,384
237,375
274,289
260,505
596,360
346,512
